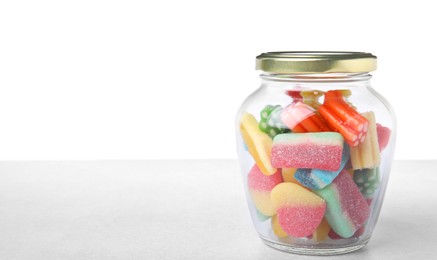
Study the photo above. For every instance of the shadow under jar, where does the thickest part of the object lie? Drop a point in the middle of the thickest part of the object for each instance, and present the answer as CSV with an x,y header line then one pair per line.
x,y
315,144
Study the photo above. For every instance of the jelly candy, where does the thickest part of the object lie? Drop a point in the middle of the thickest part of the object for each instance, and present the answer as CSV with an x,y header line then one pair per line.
x,y
367,181
270,122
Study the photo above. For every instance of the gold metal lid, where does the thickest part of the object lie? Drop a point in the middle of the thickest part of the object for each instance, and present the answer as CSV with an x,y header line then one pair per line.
x,y
308,62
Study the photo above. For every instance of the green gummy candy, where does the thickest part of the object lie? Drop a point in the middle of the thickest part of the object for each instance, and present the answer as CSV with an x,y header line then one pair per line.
x,y
367,181
270,122
265,113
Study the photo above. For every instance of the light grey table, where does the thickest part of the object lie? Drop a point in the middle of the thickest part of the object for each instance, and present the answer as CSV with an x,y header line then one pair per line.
x,y
179,210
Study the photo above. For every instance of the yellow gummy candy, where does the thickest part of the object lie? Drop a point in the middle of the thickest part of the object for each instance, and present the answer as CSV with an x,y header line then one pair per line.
x,y
277,229
322,231
288,175
262,202
258,143
311,97
366,154
345,92
286,194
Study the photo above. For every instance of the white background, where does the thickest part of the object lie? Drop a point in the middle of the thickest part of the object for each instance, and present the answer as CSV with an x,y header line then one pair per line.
x,y
164,79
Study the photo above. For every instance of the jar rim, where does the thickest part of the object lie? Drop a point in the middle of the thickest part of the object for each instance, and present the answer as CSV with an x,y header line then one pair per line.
x,y
315,62
317,78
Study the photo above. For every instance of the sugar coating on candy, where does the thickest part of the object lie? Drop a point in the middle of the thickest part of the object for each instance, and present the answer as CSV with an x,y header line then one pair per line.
x,y
300,221
258,181
299,211
270,122
260,186
367,181
383,136
317,179
258,143
295,113
347,209
308,150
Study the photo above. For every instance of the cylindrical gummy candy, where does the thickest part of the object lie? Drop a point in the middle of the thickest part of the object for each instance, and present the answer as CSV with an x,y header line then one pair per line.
x,y
311,97
343,119
366,154
302,118
270,122
367,181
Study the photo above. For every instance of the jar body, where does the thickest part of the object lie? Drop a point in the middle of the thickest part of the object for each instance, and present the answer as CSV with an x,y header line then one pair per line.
x,y
299,197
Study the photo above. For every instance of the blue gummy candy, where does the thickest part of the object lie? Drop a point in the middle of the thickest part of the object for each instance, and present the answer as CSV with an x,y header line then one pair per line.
x,y
316,179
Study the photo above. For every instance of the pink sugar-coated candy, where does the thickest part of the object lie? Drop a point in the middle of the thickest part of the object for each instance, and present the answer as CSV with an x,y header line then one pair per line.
x,y
347,209
308,150
383,136
260,186
299,211
369,202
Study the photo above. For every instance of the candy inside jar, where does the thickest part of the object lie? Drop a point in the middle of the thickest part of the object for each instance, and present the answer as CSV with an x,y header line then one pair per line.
x,y
315,164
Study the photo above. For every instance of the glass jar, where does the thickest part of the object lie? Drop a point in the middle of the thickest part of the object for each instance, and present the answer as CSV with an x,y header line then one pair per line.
x,y
315,144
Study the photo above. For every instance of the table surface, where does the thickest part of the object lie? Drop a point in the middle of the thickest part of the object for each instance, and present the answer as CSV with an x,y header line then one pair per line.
x,y
179,210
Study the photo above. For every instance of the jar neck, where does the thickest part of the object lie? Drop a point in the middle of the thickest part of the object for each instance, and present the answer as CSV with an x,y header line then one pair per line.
x,y
317,78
